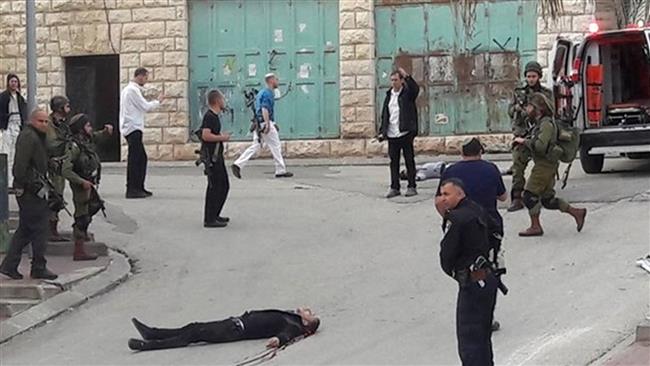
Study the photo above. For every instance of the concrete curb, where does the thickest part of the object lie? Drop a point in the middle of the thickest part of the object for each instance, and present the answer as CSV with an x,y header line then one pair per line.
x,y
116,272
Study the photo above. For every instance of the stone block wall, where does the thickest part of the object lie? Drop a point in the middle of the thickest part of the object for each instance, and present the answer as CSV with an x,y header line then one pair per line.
x,y
572,24
357,68
154,34
148,33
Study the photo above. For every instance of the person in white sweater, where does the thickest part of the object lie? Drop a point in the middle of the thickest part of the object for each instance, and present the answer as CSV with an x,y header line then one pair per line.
x,y
133,107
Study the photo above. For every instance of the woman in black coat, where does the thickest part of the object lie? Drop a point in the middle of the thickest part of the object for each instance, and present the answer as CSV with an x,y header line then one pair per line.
x,y
13,114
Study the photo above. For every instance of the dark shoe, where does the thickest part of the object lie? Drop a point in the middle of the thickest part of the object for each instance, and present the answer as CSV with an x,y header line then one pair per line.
x,y
136,194
144,330
236,171
284,175
223,219
14,275
516,205
410,192
215,223
496,326
137,344
43,274
80,253
148,193
392,193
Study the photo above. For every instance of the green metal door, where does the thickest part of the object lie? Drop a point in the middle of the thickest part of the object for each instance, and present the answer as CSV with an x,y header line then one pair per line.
x,y
466,70
234,43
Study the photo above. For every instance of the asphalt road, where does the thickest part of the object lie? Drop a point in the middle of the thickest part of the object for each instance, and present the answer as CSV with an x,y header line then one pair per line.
x,y
368,266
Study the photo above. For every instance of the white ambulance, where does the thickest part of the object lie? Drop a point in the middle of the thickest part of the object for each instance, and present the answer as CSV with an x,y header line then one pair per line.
x,y
602,86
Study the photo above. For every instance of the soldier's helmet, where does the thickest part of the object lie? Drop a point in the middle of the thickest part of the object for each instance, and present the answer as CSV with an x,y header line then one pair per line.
x,y
533,66
77,123
58,102
541,103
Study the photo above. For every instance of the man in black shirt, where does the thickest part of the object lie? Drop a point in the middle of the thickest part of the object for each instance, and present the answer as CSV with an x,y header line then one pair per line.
x,y
280,326
212,140
463,256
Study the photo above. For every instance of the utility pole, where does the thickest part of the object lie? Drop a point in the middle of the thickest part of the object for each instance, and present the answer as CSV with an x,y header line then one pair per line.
x,y
31,54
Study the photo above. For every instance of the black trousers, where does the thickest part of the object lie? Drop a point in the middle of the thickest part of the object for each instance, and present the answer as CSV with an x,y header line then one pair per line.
x,y
474,315
221,331
33,216
395,147
216,192
136,164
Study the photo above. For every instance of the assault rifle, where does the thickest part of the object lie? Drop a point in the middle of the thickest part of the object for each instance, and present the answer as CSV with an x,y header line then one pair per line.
x,y
55,201
521,99
249,97
204,156
96,203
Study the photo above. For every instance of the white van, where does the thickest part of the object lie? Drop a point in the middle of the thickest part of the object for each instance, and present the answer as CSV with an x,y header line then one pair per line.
x,y
602,85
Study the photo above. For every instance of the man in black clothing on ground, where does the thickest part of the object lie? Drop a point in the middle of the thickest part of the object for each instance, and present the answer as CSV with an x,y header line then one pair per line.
x,y
280,326
212,139
463,256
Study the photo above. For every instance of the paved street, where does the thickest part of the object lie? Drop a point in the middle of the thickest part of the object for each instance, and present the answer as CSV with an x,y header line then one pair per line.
x,y
368,266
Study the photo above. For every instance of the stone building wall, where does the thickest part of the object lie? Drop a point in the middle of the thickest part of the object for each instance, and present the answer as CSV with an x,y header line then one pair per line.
x,y
154,34
573,24
149,33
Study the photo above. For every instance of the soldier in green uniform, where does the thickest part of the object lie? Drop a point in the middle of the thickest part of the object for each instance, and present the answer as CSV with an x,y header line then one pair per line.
x,y
30,169
539,188
57,137
81,166
521,126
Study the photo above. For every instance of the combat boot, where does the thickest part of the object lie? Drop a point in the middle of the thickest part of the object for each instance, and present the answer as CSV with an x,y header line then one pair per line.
x,y
535,228
579,215
54,232
80,252
516,203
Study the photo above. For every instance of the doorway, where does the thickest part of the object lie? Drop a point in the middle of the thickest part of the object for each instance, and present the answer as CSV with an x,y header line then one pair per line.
x,y
93,87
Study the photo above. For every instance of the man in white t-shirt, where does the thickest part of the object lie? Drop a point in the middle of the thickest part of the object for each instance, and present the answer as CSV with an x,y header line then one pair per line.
x,y
133,107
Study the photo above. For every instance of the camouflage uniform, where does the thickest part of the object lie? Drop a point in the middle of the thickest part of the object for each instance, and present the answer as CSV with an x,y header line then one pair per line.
x,y
81,163
539,190
521,127
57,138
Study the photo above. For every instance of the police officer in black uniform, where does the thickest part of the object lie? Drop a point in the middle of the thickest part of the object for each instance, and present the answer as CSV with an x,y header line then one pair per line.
x,y
30,170
464,254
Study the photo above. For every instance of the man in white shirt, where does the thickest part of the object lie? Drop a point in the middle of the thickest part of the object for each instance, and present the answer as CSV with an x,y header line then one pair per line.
x,y
133,107
399,124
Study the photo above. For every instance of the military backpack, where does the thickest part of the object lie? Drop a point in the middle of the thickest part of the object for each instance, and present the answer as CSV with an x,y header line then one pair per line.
x,y
567,141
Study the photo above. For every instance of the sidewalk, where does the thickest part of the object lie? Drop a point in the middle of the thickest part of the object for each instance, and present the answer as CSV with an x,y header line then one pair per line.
x,y
633,351
636,354
27,303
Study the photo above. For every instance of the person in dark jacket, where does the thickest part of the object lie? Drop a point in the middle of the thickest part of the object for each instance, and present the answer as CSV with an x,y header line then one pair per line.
x,y
399,124
281,327
463,249
13,115
29,170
